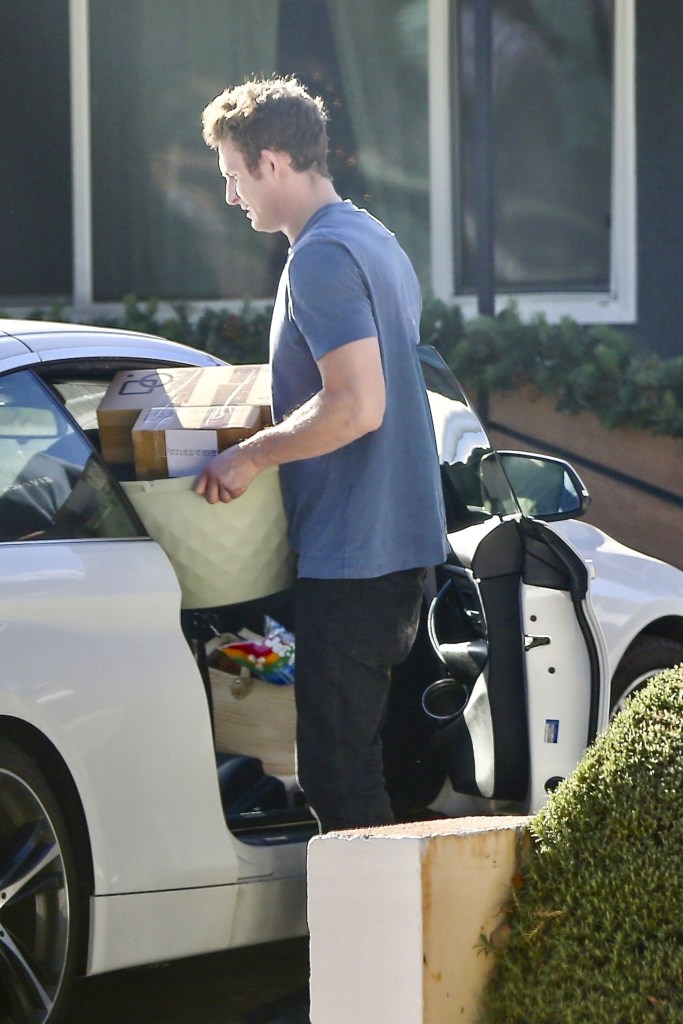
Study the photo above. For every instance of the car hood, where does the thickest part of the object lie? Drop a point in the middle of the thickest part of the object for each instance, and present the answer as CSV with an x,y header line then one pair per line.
x,y
629,590
600,548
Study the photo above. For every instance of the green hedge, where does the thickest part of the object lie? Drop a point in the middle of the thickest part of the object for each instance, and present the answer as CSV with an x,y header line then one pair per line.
x,y
594,367
596,925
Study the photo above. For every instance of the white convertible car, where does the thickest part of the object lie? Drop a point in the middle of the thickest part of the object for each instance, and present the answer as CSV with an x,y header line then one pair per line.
x,y
125,836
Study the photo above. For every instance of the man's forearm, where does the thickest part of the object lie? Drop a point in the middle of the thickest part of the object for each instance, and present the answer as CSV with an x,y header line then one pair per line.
x,y
322,425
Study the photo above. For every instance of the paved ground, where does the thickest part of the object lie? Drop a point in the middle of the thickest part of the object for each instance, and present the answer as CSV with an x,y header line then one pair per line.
x,y
258,985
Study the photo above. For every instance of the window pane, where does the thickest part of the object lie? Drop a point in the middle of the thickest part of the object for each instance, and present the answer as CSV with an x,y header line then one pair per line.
x,y
552,96
381,53
35,152
161,226
474,485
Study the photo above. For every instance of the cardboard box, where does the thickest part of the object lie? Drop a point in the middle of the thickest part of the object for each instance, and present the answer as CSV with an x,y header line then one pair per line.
x,y
133,391
172,441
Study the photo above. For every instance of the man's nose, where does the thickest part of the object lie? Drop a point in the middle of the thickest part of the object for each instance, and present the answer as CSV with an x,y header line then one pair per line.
x,y
231,195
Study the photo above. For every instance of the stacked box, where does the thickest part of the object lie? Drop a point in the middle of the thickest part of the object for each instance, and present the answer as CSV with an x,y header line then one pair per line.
x,y
179,441
132,392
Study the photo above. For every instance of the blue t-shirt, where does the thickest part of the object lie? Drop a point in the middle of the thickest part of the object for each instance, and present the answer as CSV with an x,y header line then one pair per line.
x,y
373,506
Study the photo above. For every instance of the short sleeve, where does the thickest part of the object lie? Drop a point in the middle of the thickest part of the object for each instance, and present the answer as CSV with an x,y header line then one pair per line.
x,y
328,297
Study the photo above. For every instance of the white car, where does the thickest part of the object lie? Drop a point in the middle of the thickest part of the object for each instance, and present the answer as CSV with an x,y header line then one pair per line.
x,y
124,837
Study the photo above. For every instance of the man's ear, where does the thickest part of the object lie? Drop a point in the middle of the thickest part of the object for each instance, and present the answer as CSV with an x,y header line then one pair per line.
x,y
275,161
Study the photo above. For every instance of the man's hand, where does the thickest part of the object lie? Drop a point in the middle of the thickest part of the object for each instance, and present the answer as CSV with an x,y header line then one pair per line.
x,y
227,476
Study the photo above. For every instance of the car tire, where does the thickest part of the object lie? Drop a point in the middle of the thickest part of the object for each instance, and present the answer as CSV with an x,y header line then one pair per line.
x,y
39,895
646,656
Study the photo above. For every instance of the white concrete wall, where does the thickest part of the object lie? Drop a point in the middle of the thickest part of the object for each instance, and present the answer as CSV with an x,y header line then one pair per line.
x,y
396,916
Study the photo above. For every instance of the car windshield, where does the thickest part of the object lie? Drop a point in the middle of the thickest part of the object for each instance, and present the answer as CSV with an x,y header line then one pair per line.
x,y
475,486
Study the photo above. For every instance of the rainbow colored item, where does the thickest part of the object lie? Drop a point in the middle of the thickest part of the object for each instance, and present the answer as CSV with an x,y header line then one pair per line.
x,y
270,658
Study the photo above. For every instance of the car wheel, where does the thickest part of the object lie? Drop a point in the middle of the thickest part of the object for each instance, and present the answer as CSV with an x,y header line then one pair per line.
x,y
38,895
646,656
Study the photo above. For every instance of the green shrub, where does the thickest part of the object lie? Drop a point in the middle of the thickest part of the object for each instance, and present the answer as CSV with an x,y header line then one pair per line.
x,y
596,926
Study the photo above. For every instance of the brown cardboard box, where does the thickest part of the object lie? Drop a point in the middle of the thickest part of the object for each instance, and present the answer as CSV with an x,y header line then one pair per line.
x,y
171,442
132,391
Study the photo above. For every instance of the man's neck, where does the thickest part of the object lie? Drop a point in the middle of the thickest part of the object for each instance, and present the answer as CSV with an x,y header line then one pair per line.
x,y
313,193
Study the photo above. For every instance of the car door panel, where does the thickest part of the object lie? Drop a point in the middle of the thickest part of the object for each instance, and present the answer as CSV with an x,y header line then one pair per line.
x,y
558,694
87,598
488,741
535,703
132,681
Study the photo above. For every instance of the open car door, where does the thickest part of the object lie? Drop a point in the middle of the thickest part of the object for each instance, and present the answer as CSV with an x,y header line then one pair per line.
x,y
525,678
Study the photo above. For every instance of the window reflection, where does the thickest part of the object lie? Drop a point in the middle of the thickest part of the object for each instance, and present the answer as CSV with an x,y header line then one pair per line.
x,y
160,223
52,485
475,487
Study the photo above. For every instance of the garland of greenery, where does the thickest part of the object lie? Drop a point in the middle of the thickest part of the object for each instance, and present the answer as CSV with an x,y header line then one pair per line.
x,y
582,366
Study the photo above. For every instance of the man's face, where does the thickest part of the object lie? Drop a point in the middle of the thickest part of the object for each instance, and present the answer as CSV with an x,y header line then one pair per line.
x,y
253,192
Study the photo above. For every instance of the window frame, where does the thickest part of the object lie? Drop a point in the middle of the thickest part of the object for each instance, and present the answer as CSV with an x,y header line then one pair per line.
x,y
616,306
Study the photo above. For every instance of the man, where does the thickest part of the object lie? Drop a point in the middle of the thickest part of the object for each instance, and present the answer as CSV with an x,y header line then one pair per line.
x,y
352,436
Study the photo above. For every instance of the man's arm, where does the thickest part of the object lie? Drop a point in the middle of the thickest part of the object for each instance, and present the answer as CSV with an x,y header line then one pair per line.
x,y
350,404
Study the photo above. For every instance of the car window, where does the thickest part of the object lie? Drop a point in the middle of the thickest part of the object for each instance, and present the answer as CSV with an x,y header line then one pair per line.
x,y
52,484
474,484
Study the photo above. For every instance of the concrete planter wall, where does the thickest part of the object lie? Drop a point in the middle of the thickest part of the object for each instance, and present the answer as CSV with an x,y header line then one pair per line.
x,y
396,916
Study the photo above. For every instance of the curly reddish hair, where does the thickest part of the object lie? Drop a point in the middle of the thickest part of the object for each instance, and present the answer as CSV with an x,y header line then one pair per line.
x,y
270,113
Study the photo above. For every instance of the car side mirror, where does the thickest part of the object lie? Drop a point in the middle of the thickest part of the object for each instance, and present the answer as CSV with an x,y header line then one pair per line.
x,y
546,488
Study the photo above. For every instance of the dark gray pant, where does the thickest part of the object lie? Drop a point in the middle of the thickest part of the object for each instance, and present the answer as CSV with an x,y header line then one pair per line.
x,y
348,635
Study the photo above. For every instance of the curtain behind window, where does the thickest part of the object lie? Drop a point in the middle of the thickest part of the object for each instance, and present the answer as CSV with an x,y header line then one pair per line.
x,y
382,54
161,227
552,97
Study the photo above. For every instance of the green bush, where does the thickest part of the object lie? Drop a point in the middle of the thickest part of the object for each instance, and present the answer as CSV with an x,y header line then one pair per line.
x,y
596,926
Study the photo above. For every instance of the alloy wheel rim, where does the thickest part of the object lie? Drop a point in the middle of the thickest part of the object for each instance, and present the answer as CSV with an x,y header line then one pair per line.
x,y
34,906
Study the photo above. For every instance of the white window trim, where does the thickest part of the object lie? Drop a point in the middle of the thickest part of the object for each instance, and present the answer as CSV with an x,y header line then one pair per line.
x,y
619,305
81,161
82,300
